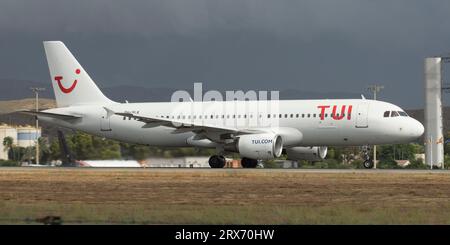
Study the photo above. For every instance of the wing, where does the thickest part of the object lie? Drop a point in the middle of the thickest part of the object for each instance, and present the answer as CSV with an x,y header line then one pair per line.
x,y
181,126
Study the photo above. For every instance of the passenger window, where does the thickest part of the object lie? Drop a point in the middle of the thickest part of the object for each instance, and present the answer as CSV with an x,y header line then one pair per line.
x,y
268,115
309,115
303,115
292,115
386,114
296,115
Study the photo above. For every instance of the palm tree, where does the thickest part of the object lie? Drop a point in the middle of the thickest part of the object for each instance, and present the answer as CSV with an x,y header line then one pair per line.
x,y
8,144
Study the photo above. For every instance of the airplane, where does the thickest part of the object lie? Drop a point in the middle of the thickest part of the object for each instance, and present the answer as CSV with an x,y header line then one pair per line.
x,y
303,129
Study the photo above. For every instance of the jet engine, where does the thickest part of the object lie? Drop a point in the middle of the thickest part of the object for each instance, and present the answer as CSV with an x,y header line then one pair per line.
x,y
257,146
314,153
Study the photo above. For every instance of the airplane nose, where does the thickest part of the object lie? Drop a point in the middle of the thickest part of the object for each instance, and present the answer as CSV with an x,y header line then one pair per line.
x,y
418,129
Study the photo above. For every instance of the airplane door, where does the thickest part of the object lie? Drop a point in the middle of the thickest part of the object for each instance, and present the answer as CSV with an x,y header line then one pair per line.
x,y
105,124
362,114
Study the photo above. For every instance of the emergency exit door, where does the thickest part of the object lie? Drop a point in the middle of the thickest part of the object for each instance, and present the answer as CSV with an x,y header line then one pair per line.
x,y
362,115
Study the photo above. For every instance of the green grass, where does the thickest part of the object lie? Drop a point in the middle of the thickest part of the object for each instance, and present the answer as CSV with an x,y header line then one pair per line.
x,y
19,213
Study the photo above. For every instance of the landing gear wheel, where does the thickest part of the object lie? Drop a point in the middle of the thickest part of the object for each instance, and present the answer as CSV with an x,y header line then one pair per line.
x,y
368,164
249,163
217,161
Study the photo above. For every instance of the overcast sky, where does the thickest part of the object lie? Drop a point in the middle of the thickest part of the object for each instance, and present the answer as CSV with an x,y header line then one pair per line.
x,y
312,45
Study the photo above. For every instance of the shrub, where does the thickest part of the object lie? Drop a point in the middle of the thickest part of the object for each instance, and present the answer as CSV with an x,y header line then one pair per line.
x,y
9,163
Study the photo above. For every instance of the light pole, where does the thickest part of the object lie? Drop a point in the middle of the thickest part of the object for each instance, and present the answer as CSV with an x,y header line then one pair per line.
x,y
375,89
36,91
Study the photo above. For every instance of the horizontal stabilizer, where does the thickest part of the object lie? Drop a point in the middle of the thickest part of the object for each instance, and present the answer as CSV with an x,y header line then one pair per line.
x,y
50,114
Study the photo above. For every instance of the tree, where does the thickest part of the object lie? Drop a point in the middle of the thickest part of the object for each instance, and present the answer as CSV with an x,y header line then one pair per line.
x,y
44,150
8,144
81,145
54,151
140,152
387,154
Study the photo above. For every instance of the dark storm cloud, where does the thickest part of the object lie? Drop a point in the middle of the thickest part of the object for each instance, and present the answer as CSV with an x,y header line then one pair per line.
x,y
310,45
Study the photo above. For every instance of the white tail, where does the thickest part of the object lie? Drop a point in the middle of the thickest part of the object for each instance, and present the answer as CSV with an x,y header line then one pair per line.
x,y
71,83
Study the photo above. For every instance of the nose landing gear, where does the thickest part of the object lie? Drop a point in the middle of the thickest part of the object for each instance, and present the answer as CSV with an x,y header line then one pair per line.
x,y
367,161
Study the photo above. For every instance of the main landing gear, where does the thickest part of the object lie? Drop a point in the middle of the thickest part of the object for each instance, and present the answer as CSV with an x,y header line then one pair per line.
x,y
249,163
368,162
217,161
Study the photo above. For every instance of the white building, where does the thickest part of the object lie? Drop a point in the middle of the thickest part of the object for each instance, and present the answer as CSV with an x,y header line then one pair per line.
x,y
23,136
176,162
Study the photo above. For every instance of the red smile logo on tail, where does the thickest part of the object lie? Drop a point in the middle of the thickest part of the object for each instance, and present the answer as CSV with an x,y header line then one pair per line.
x,y
69,89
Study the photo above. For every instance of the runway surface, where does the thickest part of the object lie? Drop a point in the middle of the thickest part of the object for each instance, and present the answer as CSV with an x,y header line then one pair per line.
x,y
258,170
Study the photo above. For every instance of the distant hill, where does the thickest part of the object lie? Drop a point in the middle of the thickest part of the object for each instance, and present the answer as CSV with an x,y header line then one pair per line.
x,y
419,115
25,104
18,89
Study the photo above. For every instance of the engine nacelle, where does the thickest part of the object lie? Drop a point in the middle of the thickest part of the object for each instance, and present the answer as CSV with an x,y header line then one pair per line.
x,y
315,153
260,146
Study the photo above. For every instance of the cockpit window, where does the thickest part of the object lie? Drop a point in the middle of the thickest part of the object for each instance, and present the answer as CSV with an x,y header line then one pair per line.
x,y
402,113
394,114
386,113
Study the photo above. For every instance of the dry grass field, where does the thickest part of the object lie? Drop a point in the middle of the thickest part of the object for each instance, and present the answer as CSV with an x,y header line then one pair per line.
x,y
156,196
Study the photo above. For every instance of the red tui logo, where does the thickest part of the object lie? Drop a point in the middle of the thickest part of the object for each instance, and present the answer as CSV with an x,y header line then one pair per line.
x,y
69,89
335,114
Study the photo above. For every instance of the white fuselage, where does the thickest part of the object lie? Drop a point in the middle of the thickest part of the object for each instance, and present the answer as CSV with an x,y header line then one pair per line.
x,y
363,124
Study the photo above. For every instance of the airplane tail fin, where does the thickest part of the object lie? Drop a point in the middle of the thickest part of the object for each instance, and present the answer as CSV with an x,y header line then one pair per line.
x,y
71,83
